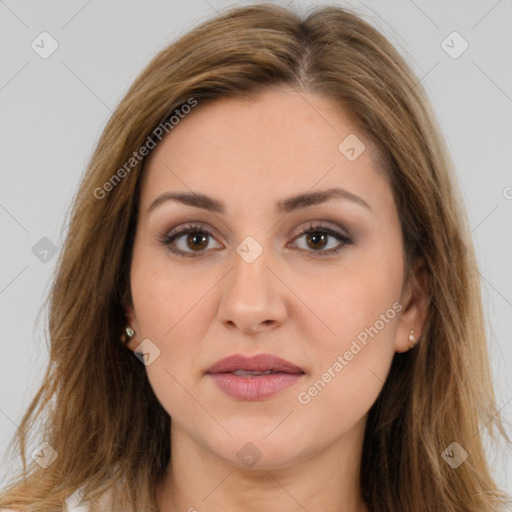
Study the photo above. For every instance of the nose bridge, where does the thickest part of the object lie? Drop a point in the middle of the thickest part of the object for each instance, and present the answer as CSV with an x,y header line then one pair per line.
x,y
251,295
250,273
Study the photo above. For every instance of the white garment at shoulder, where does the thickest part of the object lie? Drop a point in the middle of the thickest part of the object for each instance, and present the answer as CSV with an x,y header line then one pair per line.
x,y
74,502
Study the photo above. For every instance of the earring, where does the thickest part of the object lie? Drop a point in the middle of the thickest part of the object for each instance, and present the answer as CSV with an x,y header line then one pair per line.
x,y
412,339
127,334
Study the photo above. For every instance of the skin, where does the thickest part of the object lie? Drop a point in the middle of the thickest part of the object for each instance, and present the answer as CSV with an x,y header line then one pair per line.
x,y
289,302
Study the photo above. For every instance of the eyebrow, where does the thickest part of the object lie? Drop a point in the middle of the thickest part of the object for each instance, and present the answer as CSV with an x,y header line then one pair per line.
x,y
283,206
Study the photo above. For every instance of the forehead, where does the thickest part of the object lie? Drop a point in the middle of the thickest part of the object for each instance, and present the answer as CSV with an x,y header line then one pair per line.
x,y
275,144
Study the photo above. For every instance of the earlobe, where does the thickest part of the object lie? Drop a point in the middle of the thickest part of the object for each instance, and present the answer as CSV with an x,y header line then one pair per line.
x,y
127,335
129,330
415,304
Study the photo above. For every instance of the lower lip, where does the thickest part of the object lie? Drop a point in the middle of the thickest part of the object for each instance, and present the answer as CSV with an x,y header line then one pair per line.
x,y
254,388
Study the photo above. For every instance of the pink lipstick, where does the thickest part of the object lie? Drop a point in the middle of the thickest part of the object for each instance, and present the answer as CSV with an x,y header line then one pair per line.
x,y
254,378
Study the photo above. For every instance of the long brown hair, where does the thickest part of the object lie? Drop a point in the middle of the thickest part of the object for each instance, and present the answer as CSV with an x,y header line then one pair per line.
x,y
97,408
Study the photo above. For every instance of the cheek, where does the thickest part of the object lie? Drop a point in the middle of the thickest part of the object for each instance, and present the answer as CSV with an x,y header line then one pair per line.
x,y
168,306
361,293
166,297
352,359
175,322
171,313
350,368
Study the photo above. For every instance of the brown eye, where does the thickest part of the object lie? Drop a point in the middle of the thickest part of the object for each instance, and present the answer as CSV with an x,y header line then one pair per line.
x,y
197,241
190,240
317,238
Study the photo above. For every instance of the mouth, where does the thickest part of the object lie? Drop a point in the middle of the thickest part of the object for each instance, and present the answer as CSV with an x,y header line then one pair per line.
x,y
254,378
260,364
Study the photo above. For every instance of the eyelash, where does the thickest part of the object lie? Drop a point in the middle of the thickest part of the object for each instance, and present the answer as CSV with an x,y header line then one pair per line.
x,y
168,239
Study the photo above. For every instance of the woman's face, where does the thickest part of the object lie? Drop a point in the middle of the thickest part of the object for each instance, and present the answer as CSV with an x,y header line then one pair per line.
x,y
248,282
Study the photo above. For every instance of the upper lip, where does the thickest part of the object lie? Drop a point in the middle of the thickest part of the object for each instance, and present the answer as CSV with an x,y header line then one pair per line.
x,y
257,363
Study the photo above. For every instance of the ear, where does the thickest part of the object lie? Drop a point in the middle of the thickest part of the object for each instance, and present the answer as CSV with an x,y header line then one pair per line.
x,y
415,303
131,320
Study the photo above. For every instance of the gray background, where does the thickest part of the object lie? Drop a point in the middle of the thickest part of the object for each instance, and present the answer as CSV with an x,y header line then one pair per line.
x,y
53,111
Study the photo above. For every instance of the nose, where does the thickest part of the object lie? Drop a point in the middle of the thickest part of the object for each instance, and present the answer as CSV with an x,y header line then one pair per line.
x,y
253,296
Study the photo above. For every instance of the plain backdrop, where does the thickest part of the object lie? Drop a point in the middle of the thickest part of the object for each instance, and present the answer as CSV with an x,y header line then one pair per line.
x,y
53,109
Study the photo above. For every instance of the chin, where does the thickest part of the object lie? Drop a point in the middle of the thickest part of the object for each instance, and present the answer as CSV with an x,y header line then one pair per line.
x,y
257,453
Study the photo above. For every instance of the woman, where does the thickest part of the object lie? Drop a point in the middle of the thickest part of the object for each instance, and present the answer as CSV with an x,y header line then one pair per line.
x,y
266,290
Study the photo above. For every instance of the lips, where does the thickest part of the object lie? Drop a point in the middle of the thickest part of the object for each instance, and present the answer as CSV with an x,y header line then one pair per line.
x,y
261,364
254,378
